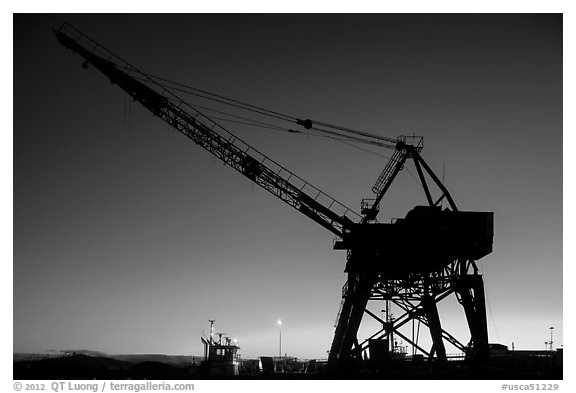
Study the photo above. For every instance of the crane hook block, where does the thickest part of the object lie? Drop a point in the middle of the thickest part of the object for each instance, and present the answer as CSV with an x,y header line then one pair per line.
x,y
305,123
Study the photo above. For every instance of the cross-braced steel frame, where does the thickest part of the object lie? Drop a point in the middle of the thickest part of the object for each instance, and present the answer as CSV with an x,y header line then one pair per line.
x,y
416,294
417,298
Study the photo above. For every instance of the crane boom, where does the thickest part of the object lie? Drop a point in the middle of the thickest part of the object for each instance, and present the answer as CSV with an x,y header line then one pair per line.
x,y
230,149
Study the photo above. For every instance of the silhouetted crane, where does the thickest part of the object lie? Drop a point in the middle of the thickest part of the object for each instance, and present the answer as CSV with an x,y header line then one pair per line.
x,y
414,262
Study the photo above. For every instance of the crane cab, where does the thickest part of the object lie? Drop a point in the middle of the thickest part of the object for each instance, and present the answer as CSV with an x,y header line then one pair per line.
x,y
426,240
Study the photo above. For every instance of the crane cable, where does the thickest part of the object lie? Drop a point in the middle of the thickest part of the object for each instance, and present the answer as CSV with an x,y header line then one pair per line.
x,y
352,131
224,100
307,123
345,139
254,123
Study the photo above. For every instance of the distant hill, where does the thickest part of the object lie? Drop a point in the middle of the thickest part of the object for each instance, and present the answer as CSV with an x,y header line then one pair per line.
x,y
55,353
88,364
21,357
171,360
72,367
86,352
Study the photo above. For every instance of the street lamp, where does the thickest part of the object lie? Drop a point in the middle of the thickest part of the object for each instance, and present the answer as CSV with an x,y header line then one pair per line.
x,y
551,342
280,348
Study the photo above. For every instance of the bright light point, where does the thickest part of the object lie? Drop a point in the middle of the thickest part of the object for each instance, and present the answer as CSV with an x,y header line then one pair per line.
x,y
280,322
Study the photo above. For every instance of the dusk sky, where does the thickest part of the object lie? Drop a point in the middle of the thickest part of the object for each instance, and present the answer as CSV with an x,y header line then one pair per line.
x,y
128,237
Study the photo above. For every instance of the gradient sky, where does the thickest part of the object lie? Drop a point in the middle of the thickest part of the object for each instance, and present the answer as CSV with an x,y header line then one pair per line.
x,y
128,237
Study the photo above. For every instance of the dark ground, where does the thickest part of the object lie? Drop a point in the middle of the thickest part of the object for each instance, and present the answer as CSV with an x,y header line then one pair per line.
x,y
82,366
